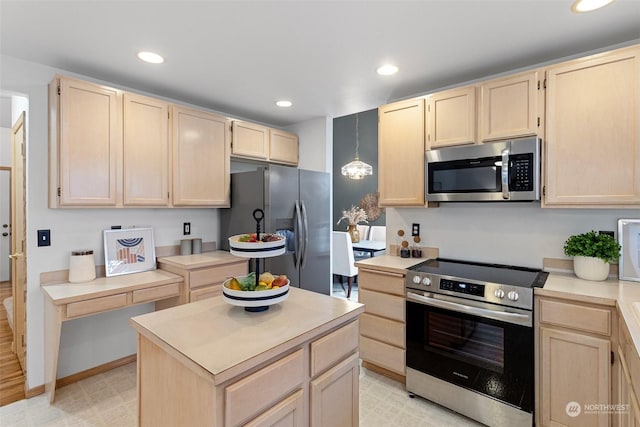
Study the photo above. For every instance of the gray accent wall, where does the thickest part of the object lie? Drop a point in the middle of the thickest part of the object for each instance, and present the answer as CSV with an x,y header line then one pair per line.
x,y
347,192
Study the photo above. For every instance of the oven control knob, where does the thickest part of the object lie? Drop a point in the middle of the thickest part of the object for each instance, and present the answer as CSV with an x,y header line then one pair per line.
x,y
499,293
416,280
426,281
513,296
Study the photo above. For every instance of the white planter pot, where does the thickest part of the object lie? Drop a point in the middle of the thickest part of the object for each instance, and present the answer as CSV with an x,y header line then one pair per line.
x,y
590,268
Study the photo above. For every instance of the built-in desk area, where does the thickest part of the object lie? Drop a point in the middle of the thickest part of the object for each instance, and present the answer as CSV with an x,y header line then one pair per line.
x,y
67,301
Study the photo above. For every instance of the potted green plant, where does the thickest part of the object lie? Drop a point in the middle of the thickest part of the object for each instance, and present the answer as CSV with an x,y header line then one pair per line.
x,y
592,253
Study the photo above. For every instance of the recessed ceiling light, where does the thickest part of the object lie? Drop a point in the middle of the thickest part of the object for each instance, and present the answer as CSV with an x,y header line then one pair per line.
x,y
589,5
150,57
387,70
284,103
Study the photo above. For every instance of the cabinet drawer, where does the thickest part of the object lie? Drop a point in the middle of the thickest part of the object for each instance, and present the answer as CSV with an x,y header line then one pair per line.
x,y
212,275
383,355
205,292
156,293
580,317
96,305
381,329
384,305
381,281
328,350
261,390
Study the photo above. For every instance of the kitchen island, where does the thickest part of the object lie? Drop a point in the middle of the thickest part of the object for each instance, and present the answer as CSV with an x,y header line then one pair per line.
x,y
212,364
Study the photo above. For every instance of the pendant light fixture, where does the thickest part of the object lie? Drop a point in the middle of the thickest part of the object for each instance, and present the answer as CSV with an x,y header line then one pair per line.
x,y
357,169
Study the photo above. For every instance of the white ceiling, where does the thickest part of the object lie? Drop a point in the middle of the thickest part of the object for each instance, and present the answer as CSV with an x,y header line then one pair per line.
x,y
238,57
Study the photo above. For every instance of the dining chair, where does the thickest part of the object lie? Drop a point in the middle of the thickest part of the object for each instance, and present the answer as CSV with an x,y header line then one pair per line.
x,y
363,230
343,259
378,232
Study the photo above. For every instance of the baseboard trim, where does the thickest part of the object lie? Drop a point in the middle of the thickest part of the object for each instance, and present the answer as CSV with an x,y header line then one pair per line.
x,y
74,378
382,371
34,391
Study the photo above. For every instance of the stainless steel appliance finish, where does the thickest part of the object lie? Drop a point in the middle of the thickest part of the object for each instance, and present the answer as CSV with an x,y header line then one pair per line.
x,y
506,170
469,337
296,205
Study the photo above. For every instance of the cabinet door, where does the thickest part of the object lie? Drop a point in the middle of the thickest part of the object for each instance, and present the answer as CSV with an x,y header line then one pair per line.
x,y
89,143
249,140
509,107
200,158
593,132
401,153
288,413
451,117
335,395
146,151
575,371
283,147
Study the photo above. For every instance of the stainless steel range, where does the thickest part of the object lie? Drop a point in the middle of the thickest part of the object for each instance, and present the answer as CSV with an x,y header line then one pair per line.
x,y
470,338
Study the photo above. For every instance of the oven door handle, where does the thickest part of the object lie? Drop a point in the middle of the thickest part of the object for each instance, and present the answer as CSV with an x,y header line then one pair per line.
x,y
506,316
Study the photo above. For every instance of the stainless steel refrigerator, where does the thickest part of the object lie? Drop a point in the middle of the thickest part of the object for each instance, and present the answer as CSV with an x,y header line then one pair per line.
x,y
296,204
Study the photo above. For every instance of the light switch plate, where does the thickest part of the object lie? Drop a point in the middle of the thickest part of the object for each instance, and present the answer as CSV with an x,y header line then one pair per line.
x,y
44,237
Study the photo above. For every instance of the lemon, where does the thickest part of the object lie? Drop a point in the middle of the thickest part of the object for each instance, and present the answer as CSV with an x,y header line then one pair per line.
x,y
234,284
267,278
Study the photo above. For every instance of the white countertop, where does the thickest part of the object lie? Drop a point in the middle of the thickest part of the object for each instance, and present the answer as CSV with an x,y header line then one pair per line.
x,y
613,292
206,259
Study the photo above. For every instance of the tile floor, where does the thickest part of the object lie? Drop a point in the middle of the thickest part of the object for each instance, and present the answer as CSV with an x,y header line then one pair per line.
x,y
109,399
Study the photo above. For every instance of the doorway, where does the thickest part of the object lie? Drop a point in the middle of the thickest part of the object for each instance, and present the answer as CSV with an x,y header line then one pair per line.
x,y
13,291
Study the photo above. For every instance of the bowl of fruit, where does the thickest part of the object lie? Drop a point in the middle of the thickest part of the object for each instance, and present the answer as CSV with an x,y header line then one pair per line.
x,y
253,246
244,292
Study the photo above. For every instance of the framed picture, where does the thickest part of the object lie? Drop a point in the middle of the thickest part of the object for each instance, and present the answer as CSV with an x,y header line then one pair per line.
x,y
629,237
129,250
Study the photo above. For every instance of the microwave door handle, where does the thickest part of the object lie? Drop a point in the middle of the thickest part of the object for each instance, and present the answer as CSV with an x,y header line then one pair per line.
x,y
505,174
506,316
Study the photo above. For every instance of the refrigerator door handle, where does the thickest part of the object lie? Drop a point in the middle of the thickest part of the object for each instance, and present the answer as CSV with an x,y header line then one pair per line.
x,y
305,235
297,255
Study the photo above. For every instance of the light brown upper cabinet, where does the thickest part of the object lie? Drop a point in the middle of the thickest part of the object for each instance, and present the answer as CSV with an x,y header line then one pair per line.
x,y
509,107
249,140
593,131
110,148
283,147
254,141
85,149
146,151
451,117
401,155
200,158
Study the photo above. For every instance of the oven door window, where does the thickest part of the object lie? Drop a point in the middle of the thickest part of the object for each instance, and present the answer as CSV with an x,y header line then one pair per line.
x,y
463,176
484,355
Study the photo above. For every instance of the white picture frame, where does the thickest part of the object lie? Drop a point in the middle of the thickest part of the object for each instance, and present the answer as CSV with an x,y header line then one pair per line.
x,y
129,250
629,239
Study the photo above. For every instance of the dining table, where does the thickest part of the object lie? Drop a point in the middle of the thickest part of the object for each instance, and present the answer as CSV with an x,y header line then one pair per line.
x,y
370,246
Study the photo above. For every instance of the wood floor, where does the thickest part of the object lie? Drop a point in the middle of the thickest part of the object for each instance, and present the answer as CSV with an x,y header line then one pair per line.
x,y
11,377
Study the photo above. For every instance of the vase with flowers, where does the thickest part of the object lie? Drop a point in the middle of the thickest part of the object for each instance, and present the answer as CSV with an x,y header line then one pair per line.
x,y
354,216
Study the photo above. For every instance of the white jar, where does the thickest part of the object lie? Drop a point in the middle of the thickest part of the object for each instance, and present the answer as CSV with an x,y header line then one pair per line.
x,y
82,267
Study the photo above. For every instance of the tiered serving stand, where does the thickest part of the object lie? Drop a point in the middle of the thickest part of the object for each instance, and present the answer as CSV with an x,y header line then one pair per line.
x,y
256,300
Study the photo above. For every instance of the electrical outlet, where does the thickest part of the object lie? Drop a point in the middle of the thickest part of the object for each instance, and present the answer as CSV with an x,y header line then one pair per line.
x,y
44,237
186,228
415,229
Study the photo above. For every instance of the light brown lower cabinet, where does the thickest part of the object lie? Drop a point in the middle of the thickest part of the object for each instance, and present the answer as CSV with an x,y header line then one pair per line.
x,y
315,384
382,325
628,380
574,363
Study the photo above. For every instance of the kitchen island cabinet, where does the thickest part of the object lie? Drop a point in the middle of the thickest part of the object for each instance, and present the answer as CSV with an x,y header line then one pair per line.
x,y
213,364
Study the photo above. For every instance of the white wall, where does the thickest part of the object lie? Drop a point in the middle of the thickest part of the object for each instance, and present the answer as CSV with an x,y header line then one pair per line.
x,y
5,147
507,233
94,340
316,140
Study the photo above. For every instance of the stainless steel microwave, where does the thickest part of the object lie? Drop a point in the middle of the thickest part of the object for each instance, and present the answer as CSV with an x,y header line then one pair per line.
x,y
507,170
